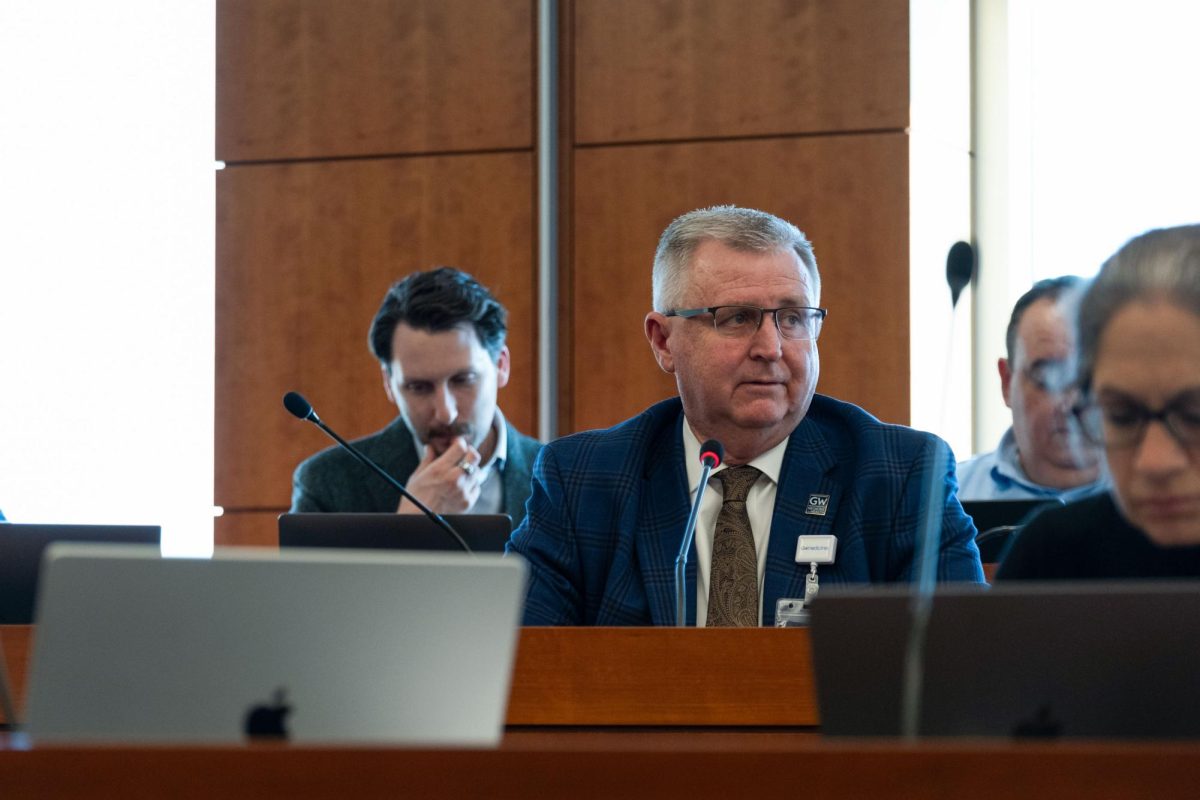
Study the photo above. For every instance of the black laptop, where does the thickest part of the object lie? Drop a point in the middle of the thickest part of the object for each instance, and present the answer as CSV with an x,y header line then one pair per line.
x,y
988,514
1036,660
21,548
997,520
484,533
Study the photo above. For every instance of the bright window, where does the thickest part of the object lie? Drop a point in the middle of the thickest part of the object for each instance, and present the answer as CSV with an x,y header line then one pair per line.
x,y
1086,131
1114,127
106,264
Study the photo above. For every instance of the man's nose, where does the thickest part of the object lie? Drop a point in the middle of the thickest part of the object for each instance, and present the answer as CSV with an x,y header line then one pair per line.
x,y
767,341
1062,402
445,407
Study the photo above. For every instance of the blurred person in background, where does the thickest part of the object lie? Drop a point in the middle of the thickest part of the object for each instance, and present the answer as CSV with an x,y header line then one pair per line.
x,y
1139,399
1042,454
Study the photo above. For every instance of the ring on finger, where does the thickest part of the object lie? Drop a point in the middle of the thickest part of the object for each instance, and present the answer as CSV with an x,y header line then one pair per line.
x,y
467,467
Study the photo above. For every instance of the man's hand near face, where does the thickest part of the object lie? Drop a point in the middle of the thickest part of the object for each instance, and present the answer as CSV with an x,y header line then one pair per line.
x,y
442,483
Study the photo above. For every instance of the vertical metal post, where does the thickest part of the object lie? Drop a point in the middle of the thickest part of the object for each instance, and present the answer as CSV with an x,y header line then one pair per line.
x,y
547,149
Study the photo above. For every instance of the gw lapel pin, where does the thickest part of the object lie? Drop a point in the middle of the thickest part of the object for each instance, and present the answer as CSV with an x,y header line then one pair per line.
x,y
818,504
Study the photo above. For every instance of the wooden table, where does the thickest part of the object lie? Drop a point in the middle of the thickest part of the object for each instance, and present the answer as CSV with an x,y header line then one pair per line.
x,y
653,764
609,713
630,676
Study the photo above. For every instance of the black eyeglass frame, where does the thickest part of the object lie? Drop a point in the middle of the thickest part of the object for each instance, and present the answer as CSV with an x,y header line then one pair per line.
x,y
692,313
1094,431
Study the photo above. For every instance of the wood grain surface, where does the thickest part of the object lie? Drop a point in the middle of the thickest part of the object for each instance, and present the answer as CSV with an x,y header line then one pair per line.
x,y
655,70
304,79
305,253
849,194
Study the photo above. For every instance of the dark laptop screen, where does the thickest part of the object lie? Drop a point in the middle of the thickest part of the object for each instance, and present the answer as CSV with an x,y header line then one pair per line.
x,y
21,548
484,533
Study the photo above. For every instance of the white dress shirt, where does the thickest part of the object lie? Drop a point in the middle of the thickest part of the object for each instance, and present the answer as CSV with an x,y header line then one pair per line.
x,y
760,507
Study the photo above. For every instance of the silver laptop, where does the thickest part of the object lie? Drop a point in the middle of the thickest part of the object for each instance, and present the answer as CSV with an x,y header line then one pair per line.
x,y
1036,660
306,645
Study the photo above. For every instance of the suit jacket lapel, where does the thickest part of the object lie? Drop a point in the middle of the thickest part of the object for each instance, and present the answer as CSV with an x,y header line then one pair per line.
x,y
807,471
662,514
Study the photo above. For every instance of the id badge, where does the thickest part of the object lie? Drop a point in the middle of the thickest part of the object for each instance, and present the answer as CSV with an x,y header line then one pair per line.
x,y
816,549
790,613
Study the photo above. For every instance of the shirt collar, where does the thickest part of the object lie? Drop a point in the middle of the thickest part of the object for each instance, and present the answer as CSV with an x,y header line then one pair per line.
x,y
500,453
1007,470
1008,463
769,463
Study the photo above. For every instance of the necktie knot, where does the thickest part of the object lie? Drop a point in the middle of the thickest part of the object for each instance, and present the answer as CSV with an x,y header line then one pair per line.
x,y
736,482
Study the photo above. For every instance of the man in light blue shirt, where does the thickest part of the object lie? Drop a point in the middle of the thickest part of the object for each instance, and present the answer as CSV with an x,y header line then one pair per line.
x,y
1042,455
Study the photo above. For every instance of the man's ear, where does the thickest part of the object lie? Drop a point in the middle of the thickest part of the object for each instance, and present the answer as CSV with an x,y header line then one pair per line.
x,y
658,333
1006,376
387,383
503,365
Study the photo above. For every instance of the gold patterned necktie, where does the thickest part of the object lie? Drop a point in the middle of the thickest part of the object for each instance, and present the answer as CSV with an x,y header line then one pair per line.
x,y
733,576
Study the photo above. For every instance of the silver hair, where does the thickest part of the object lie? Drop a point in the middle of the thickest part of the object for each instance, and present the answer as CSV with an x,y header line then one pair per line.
x,y
743,229
1160,263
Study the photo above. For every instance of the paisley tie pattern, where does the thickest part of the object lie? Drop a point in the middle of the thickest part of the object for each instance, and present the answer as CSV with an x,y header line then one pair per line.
x,y
733,576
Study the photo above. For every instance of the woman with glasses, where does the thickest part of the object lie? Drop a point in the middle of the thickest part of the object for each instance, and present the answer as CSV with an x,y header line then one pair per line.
x,y
1139,399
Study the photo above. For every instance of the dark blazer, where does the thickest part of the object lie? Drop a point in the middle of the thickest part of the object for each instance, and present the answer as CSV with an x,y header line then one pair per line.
x,y
332,480
608,509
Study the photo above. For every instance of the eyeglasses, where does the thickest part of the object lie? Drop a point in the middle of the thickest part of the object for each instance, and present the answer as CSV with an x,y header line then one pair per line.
x,y
1054,377
740,322
1119,424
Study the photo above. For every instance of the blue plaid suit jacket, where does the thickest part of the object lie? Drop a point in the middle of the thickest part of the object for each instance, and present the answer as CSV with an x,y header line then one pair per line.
x,y
606,517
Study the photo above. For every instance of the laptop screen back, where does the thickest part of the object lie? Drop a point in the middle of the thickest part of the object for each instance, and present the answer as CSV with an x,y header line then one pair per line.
x,y
1032,660
996,521
988,514
484,533
21,549
330,646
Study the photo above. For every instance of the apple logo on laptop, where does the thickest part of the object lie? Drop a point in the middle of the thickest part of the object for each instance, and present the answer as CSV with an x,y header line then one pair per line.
x,y
267,721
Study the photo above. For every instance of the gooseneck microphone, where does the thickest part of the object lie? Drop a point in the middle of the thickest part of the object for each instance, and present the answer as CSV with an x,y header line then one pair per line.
x,y
960,268
299,407
711,453
925,560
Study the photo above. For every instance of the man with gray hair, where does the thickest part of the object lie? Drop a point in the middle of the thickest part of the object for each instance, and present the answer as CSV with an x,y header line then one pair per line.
x,y
736,319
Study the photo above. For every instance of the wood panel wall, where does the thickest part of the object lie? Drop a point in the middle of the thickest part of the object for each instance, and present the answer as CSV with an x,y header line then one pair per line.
x,y
362,141
303,79
797,107
792,177
365,140
653,70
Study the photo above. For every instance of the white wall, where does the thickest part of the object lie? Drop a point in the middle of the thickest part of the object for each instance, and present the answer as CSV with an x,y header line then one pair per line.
x,y
106,264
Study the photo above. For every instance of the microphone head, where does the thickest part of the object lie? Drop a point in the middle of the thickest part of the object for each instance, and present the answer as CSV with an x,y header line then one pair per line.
x,y
711,453
298,406
960,267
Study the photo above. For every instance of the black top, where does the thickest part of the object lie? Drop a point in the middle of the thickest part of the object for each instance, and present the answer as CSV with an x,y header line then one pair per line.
x,y
1091,539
